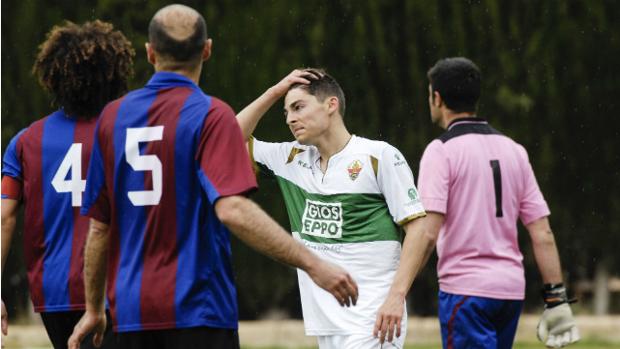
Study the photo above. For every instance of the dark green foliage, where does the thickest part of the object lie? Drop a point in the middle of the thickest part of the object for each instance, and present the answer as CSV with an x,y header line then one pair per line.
x,y
550,80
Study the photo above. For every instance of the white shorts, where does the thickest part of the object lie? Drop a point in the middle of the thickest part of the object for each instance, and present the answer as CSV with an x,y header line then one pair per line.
x,y
359,341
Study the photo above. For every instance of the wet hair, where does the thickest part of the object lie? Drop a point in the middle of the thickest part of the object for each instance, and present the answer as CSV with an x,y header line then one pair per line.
x,y
178,52
323,86
458,81
84,66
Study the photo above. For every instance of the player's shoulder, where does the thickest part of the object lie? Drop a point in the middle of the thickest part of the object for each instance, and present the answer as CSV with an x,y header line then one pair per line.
x,y
217,107
112,106
375,148
35,129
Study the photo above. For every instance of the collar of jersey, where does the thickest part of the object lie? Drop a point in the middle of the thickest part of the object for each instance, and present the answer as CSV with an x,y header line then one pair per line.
x,y
168,79
466,120
317,155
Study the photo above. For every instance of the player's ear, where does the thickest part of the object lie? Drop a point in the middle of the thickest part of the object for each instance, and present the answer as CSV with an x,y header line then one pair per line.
x,y
150,53
332,104
206,51
437,100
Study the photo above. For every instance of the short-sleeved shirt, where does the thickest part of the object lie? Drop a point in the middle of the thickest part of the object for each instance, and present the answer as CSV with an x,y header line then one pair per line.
x,y
45,167
482,181
348,215
163,155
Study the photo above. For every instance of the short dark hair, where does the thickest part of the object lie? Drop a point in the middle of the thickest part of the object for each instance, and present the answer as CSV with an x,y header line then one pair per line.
x,y
184,51
323,86
458,81
84,66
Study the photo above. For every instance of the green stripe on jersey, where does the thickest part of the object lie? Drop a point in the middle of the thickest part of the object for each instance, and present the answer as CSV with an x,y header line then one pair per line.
x,y
338,218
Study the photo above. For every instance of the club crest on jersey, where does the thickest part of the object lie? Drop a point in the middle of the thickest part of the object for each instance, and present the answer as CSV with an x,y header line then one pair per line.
x,y
354,169
322,219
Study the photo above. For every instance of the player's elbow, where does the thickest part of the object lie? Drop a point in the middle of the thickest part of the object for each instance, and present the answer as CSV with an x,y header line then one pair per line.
x,y
229,210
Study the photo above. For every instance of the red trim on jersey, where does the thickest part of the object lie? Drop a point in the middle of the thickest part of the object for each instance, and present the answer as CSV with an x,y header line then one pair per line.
x,y
451,322
107,121
34,230
11,188
160,246
83,133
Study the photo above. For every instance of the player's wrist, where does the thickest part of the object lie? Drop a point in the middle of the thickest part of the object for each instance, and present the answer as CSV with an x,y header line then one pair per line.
x,y
554,295
398,294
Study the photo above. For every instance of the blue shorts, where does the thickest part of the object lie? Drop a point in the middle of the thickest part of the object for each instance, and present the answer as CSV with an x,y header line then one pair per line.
x,y
477,322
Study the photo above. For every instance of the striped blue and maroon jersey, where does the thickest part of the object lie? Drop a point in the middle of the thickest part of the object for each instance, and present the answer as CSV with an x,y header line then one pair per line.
x,y
162,157
45,166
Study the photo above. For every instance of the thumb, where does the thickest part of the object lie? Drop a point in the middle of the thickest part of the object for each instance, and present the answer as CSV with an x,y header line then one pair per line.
x,y
97,339
541,330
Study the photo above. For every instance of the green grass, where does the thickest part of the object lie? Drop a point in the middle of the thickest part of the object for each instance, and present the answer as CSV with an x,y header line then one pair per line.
x,y
581,345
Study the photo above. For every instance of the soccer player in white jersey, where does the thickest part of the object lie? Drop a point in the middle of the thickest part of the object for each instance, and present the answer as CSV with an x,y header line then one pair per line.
x,y
346,197
475,184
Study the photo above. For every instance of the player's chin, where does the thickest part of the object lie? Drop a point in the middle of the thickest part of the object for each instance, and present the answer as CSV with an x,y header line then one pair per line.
x,y
301,138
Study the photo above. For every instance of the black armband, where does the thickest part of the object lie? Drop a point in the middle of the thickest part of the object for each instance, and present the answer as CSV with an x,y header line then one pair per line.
x,y
554,295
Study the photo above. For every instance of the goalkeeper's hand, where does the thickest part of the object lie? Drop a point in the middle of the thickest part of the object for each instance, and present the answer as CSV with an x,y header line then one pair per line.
x,y
557,327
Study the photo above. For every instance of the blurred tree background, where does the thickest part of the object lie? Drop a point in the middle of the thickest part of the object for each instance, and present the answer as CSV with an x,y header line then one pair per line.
x,y
551,81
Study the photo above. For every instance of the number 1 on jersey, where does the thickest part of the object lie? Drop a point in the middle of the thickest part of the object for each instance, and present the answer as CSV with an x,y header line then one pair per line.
x,y
497,182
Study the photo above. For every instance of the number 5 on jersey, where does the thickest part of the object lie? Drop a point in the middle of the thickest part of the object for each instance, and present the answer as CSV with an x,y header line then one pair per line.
x,y
141,162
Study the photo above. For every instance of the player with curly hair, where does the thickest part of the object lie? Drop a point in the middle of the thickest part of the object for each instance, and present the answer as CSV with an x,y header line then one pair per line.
x,y
44,167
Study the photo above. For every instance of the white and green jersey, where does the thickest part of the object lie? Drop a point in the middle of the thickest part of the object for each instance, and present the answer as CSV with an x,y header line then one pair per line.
x,y
348,215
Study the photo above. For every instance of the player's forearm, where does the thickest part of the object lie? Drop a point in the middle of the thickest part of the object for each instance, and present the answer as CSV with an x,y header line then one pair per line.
x,y
418,246
255,228
249,117
545,251
9,220
95,265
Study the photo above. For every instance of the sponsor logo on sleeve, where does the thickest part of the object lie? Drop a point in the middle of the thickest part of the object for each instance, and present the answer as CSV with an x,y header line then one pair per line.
x,y
399,160
414,196
322,219
354,169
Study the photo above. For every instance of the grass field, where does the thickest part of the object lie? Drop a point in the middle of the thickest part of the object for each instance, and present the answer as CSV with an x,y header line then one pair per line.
x,y
422,333
581,345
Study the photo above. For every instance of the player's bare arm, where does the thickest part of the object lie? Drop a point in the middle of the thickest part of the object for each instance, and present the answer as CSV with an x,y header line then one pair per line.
x,y
255,228
557,326
9,218
418,245
249,117
545,251
95,268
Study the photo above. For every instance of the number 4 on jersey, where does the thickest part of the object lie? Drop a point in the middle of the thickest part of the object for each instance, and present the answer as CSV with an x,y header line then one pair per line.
x,y
76,185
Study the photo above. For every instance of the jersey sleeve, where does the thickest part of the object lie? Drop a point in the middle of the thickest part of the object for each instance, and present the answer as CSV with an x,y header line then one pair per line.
x,y
12,170
396,182
532,205
268,156
225,167
434,180
95,201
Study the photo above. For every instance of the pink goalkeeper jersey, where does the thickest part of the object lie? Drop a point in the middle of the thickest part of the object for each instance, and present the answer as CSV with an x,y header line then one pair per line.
x,y
482,182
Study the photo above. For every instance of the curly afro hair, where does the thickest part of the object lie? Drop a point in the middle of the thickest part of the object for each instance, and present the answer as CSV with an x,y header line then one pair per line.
x,y
84,66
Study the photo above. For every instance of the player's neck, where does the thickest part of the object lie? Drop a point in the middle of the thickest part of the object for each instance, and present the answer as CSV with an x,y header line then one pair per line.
x,y
449,116
332,142
192,74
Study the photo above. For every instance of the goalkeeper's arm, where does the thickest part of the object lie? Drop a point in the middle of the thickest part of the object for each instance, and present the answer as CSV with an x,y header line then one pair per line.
x,y
557,326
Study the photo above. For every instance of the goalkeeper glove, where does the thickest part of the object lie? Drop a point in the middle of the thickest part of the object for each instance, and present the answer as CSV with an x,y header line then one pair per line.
x,y
557,326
